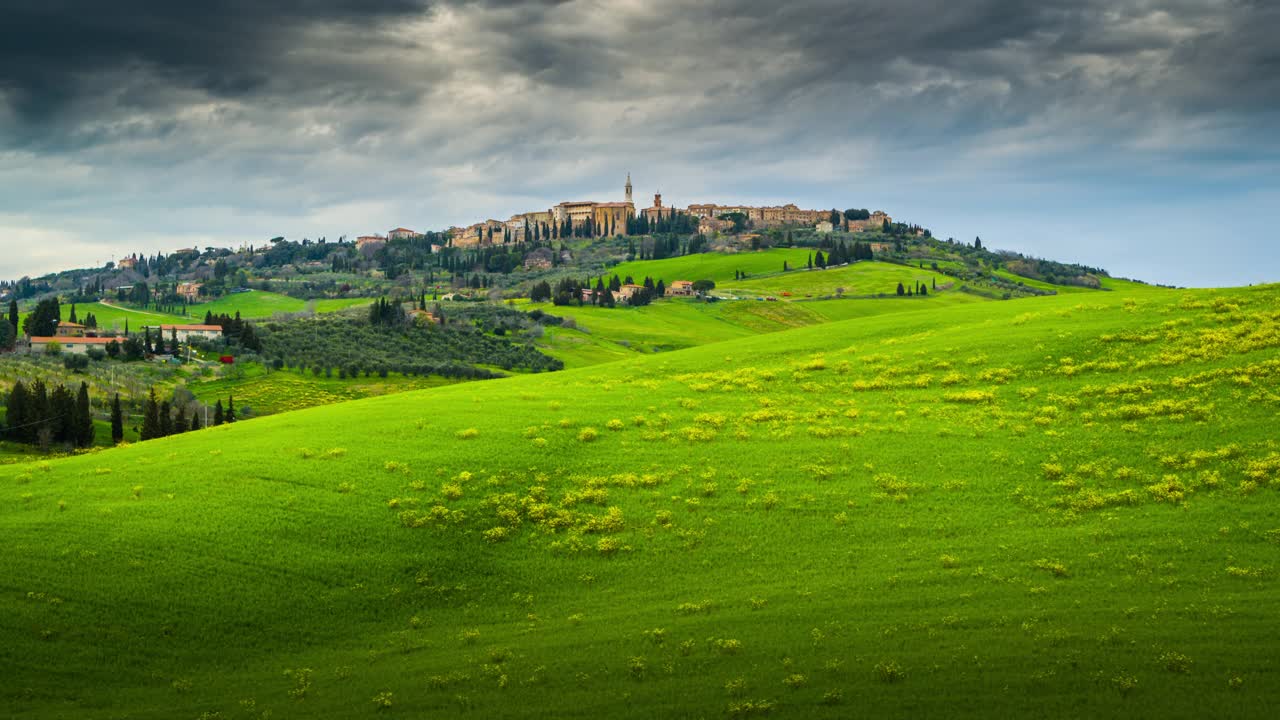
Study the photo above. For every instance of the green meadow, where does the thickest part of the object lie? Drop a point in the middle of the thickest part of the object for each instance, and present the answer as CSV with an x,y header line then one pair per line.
x,y
253,304
1052,507
256,304
862,278
713,266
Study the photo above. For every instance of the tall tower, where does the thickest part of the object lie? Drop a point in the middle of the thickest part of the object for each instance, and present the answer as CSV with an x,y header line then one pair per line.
x,y
628,187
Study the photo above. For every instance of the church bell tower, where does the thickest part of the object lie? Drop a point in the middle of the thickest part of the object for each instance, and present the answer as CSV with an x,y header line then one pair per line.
x,y
628,187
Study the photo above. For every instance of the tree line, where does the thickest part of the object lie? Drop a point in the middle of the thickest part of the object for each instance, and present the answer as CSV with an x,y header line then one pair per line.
x,y
36,415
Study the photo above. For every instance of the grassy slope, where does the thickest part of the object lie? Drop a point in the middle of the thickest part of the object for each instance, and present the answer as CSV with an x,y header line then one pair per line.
x,y
253,304
863,278
282,391
712,266
259,304
829,498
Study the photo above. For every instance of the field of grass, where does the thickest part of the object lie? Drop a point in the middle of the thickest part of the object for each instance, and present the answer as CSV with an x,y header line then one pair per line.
x,y
259,304
281,391
1058,507
862,278
111,317
719,267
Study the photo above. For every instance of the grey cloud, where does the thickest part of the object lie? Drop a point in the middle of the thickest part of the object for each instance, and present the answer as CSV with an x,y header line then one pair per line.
x,y
446,110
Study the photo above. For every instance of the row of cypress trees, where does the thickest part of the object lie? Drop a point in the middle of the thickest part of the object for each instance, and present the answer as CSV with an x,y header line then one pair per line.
x,y
160,420
37,415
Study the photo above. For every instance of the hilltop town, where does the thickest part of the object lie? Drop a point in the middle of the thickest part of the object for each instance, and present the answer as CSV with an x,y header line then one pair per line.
x,y
591,218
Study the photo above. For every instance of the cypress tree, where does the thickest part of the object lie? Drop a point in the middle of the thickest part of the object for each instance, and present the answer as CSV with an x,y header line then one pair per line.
x,y
13,315
62,416
72,317
901,290
36,417
217,413
231,409
117,421
151,418
180,423
166,419
16,416
84,418
195,418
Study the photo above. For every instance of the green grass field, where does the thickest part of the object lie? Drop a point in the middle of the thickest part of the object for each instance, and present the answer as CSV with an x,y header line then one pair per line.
x,y
281,391
713,266
863,278
256,304
1053,507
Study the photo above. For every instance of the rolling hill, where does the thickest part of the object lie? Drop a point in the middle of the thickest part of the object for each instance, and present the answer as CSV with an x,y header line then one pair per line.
x,y
1058,507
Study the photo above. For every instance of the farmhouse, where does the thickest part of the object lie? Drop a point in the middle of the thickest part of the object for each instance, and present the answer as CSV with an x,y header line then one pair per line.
x,y
185,332
401,234
75,345
626,292
369,241
70,329
190,291
680,287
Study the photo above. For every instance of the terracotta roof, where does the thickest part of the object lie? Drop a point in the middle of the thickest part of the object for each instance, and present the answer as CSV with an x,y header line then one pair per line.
x,y
615,204
74,340
187,327
402,230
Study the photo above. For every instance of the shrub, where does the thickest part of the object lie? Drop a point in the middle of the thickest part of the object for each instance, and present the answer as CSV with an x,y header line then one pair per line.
x,y
890,671
1175,662
588,434
467,434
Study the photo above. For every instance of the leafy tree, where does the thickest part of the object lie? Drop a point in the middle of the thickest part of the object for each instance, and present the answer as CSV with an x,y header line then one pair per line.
x,y
131,348
703,286
541,292
43,321
901,290
117,421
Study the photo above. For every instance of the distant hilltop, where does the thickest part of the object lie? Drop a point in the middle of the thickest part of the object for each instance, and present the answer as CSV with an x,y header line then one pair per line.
x,y
592,218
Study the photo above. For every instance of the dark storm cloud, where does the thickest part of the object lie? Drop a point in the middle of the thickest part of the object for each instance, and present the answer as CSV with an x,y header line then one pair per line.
x,y
61,59
53,52
350,112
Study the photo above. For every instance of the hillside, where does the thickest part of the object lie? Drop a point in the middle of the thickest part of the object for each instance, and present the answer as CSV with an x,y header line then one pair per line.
x,y
1057,507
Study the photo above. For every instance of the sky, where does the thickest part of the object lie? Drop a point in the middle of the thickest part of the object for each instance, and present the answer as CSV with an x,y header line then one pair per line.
x,y
1141,136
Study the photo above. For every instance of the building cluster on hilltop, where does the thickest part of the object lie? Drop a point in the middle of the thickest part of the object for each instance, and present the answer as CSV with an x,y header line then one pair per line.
x,y
598,219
